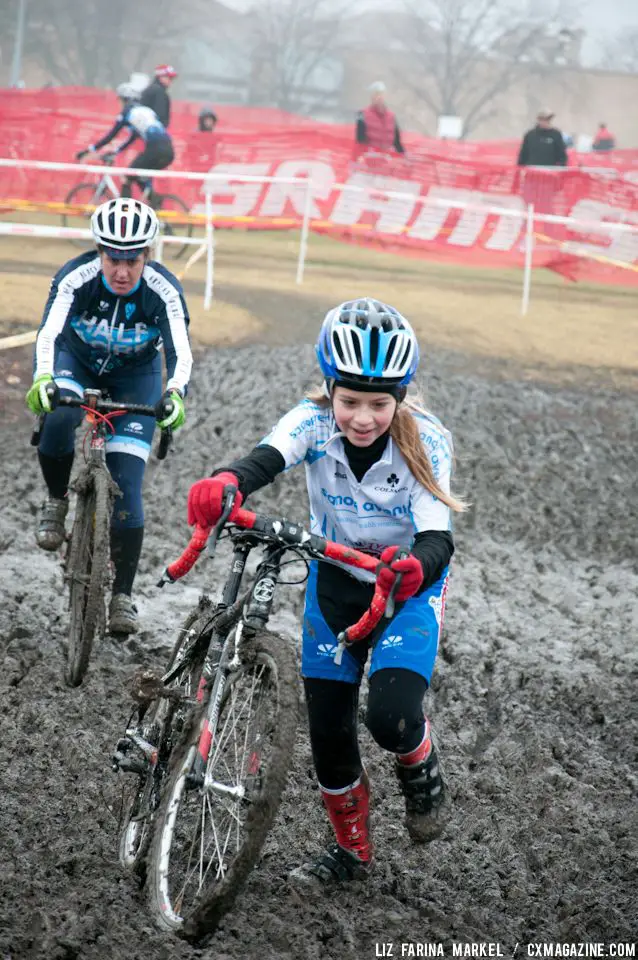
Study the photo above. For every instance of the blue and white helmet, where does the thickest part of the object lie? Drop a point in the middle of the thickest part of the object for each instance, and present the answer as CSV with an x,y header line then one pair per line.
x,y
366,343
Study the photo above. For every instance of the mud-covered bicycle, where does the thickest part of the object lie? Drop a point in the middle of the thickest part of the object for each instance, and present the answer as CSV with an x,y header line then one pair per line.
x,y
87,559
210,742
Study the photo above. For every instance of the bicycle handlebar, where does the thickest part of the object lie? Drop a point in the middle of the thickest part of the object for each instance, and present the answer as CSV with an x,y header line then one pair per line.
x,y
283,531
96,404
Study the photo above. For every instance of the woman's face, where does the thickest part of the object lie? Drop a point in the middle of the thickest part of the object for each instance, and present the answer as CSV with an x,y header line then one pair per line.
x,y
363,417
122,275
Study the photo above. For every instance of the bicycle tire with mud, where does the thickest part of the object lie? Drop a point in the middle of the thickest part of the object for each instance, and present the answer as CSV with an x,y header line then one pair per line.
x,y
135,862
84,194
87,571
275,652
164,202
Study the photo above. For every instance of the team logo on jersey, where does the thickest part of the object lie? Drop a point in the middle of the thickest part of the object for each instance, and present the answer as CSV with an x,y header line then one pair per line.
x,y
133,427
392,641
340,476
104,305
326,649
393,480
129,310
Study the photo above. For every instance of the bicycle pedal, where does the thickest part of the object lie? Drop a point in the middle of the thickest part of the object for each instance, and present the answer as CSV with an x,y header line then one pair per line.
x,y
137,765
147,686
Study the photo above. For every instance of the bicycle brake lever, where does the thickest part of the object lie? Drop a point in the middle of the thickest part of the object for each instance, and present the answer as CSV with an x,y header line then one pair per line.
x,y
37,430
229,502
390,602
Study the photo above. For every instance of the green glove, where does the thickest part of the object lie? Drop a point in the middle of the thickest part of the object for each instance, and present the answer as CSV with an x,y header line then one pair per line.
x,y
40,399
170,411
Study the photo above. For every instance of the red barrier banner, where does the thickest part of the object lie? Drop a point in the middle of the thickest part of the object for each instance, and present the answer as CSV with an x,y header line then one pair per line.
x,y
463,202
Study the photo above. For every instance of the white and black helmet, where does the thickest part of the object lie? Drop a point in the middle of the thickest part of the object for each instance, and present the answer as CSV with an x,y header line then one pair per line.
x,y
127,91
125,227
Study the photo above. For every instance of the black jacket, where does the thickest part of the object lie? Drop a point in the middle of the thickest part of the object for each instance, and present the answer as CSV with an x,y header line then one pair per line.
x,y
156,97
543,147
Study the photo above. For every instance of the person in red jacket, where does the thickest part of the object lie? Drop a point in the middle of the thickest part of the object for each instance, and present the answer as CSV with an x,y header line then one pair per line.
x,y
377,127
604,139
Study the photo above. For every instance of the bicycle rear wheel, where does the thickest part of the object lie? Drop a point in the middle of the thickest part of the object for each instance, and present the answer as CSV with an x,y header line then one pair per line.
x,y
82,195
86,572
209,836
175,206
141,799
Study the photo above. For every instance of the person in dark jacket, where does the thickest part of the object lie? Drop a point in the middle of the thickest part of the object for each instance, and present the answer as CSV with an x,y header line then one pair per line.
x,y
377,126
543,145
156,95
604,139
207,120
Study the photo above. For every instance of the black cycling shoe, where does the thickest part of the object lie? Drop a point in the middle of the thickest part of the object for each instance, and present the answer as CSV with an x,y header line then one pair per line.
x,y
334,866
425,798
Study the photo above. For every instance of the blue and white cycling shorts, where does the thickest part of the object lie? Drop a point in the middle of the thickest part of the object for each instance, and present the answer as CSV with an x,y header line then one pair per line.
x,y
410,640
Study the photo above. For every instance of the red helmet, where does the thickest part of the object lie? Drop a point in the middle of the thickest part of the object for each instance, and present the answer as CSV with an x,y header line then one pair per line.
x,y
165,70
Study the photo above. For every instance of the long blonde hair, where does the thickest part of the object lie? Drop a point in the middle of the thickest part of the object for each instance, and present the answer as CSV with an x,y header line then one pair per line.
x,y
404,431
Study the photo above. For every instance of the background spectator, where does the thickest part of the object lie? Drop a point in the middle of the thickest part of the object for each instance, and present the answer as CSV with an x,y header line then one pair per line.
x,y
543,145
604,140
207,120
377,127
156,95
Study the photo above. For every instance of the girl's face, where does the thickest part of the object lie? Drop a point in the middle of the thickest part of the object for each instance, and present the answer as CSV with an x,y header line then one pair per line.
x,y
363,417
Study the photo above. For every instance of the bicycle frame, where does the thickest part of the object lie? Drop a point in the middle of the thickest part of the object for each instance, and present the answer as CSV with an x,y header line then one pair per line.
x,y
106,182
253,609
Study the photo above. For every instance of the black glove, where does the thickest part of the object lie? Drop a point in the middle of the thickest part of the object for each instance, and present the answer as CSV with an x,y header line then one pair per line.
x,y
108,157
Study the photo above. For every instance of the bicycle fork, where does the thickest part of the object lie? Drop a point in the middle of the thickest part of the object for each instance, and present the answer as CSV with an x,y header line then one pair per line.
x,y
254,616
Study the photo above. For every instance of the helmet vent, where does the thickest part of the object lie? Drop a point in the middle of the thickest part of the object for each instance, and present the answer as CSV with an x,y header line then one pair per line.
x,y
374,347
356,348
336,343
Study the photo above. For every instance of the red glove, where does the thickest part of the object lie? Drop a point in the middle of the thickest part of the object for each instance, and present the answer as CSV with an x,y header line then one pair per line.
x,y
206,499
410,567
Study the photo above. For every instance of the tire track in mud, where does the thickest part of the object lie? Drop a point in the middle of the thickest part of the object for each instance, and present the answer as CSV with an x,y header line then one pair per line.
x,y
533,698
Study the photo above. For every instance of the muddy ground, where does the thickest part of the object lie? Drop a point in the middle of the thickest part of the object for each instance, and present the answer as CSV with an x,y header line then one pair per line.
x,y
534,698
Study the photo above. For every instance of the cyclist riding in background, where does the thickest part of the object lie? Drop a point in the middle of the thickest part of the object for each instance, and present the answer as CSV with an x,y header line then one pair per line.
x,y
156,95
144,123
378,474
107,316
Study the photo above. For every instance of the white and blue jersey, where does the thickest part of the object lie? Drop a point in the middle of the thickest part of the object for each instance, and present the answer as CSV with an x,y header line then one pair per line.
x,y
141,122
108,332
388,506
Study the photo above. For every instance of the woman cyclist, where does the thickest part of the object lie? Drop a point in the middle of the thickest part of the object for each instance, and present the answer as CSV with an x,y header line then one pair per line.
x,y
144,123
378,473
108,314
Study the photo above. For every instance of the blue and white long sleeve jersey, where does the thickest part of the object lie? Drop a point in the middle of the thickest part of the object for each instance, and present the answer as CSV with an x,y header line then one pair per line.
x,y
107,331
389,506
140,122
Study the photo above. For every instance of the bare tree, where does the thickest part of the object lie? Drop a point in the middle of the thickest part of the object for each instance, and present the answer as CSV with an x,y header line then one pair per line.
x,y
92,43
294,43
621,53
461,54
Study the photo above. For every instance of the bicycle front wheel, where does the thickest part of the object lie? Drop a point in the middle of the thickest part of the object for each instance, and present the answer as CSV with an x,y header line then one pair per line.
x,y
85,197
86,572
173,224
209,835
163,726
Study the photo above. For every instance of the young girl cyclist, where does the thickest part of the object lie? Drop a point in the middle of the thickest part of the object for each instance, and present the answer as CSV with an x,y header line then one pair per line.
x,y
378,474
